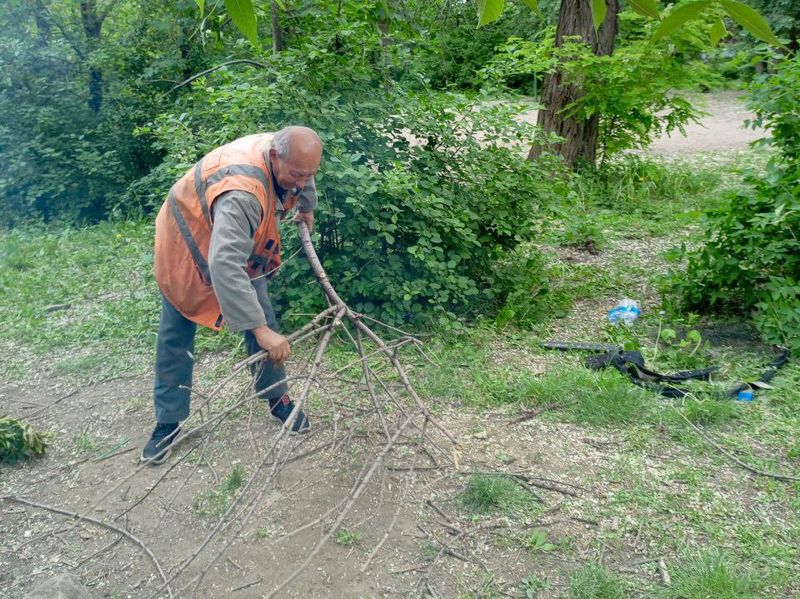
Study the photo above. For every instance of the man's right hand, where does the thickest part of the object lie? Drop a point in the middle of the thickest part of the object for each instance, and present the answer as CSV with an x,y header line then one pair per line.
x,y
274,343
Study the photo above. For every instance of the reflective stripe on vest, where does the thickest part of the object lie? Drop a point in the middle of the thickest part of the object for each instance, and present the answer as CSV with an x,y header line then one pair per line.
x,y
197,256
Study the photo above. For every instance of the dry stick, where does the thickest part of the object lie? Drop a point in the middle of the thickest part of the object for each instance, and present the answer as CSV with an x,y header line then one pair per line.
x,y
730,456
400,409
293,338
248,585
407,488
122,531
316,265
368,380
224,414
35,414
534,413
423,582
354,495
323,344
222,523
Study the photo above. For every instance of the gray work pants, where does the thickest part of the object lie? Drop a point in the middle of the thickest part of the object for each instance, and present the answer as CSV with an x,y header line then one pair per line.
x,y
174,360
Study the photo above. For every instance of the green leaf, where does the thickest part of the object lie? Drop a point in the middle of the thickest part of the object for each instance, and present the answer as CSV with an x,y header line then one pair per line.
x,y
718,31
598,13
678,17
489,10
751,20
244,17
201,4
534,5
647,8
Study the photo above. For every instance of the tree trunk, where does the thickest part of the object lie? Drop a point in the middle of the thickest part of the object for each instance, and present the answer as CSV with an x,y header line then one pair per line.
x,y
277,34
92,24
579,143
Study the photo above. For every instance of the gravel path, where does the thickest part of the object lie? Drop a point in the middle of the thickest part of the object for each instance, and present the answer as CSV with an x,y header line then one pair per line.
x,y
721,129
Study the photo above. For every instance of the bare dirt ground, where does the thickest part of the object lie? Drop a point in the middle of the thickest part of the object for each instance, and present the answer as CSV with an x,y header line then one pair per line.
x,y
433,546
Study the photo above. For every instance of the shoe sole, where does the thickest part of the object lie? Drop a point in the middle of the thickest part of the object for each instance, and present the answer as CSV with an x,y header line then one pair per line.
x,y
158,459
302,431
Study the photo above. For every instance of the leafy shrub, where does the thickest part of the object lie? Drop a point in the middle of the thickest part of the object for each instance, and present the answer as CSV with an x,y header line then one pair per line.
x,y
750,260
19,440
413,216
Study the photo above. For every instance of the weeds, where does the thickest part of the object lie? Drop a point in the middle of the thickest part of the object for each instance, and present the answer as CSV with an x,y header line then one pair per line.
x,y
489,494
217,501
595,582
347,537
710,574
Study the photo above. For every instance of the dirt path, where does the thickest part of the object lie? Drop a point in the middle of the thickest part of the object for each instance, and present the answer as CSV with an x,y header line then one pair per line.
x,y
721,129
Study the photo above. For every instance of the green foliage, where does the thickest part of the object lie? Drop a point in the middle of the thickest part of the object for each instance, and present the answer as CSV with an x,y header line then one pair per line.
x,y
537,541
595,582
487,494
709,410
19,440
347,537
632,90
412,215
750,258
217,501
532,585
710,574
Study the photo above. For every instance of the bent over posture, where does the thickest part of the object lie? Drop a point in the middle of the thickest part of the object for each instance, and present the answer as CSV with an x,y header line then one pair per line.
x,y
217,244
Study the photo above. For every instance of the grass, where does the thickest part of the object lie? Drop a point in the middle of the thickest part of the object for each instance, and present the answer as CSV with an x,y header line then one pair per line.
x,y
347,537
215,503
486,494
595,582
710,574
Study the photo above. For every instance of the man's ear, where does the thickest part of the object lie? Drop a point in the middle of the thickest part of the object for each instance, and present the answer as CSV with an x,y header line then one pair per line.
x,y
273,154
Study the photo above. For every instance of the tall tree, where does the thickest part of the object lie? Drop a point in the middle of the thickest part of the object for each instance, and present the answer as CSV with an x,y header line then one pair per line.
x,y
579,135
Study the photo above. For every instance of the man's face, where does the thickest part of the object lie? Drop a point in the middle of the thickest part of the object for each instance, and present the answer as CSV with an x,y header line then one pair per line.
x,y
295,170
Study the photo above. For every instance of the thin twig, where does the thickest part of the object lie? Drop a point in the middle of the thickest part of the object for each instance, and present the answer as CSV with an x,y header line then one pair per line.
x,y
123,532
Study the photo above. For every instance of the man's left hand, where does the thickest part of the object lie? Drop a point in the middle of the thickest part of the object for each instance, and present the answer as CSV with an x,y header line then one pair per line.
x,y
305,217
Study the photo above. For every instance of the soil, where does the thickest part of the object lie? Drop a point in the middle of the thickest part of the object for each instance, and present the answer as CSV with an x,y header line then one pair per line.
x,y
115,417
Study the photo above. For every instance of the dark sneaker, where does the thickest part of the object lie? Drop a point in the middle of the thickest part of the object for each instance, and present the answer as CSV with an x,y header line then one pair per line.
x,y
160,444
281,408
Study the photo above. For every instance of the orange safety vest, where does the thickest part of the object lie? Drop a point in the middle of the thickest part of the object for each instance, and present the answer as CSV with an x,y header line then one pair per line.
x,y
184,223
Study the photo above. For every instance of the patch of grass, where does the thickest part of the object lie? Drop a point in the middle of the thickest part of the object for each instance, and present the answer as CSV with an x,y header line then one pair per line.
x,y
709,410
492,494
603,399
595,582
347,537
84,442
488,588
710,574
217,501
532,585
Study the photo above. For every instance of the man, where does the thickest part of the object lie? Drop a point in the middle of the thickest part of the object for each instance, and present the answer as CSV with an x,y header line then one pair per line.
x,y
217,243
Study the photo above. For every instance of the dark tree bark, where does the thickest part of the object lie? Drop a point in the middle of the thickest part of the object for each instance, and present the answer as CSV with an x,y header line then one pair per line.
x,y
92,22
277,34
579,143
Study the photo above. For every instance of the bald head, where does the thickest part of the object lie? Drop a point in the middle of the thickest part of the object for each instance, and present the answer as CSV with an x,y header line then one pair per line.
x,y
295,156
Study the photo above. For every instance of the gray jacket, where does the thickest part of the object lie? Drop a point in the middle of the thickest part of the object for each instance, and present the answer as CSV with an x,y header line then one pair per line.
x,y
236,217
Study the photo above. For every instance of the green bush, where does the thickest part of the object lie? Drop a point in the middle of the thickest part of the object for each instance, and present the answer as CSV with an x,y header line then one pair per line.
x,y
413,216
750,260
